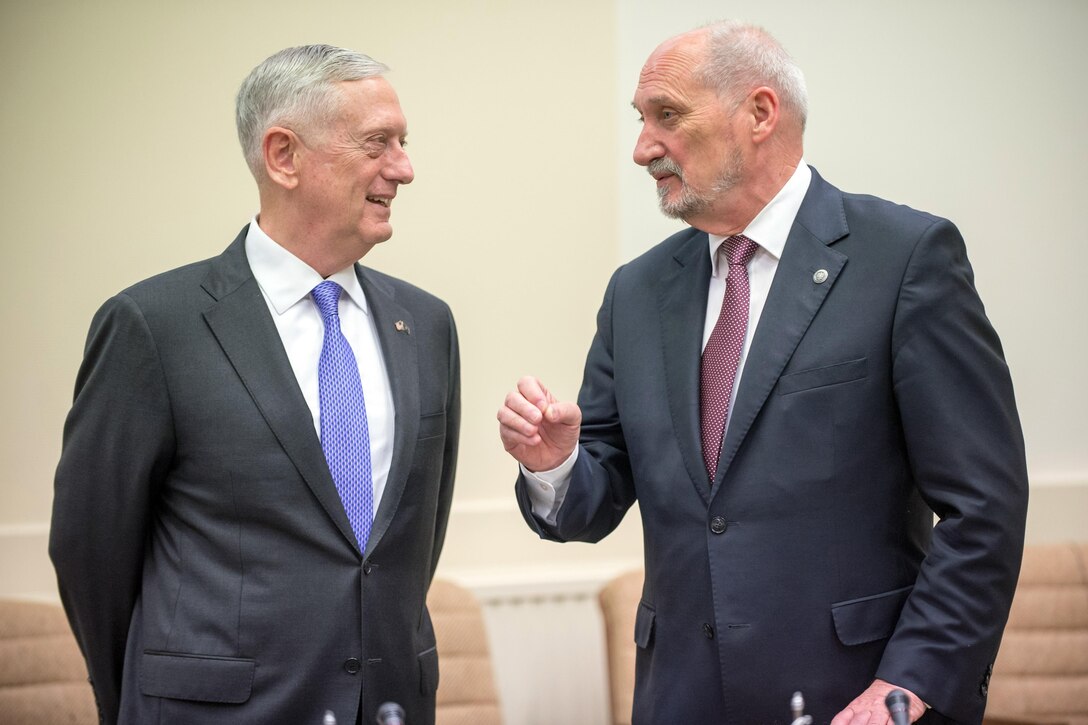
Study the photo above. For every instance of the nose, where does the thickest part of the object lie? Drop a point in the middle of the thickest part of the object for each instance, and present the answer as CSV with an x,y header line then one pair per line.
x,y
399,168
647,148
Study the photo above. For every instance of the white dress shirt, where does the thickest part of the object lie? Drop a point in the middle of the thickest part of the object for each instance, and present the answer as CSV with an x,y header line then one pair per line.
x,y
286,283
769,230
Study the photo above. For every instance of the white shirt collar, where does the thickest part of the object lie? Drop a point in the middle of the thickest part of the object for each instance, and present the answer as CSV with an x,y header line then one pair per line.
x,y
285,279
772,225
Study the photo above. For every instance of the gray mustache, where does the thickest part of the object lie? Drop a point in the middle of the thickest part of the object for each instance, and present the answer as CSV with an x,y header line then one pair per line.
x,y
666,165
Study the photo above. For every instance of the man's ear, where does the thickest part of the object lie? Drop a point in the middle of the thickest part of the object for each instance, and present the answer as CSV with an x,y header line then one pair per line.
x,y
763,105
280,148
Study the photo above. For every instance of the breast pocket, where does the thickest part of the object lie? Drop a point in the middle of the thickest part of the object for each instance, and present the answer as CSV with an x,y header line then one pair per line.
x,y
432,425
823,377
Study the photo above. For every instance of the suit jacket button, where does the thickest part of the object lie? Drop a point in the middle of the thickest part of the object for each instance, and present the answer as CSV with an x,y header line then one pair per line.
x,y
718,525
708,631
366,569
352,666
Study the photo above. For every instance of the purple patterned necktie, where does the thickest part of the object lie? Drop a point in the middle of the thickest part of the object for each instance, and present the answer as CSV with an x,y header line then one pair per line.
x,y
718,369
344,434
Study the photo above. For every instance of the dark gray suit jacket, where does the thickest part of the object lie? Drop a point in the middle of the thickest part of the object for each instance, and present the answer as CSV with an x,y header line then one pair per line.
x,y
871,398
203,554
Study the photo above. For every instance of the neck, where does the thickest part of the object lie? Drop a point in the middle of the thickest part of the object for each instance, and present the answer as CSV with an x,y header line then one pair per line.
x,y
737,208
308,241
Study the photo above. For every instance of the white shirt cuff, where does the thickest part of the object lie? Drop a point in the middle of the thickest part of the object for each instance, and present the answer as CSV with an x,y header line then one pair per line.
x,y
547,489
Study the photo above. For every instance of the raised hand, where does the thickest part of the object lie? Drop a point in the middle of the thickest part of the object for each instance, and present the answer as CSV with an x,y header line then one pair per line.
x,y
539,431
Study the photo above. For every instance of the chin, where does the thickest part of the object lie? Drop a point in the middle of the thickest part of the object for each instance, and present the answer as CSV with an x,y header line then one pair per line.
x,y
377,235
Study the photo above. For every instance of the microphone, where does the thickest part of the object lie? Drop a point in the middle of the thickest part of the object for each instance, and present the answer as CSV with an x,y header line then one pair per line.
x,y
797,707
898,707
390,713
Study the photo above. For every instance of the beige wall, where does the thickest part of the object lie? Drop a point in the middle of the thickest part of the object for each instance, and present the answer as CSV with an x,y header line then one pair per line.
x,y
121,161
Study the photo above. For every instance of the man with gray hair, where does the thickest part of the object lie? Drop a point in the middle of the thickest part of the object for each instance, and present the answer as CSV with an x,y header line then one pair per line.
x,y
790,388
258,465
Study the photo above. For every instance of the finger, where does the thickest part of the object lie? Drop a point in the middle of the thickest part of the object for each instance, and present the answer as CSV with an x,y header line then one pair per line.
x,y
856,715
534,391
564,413
511,420
512,440
861,717
519,405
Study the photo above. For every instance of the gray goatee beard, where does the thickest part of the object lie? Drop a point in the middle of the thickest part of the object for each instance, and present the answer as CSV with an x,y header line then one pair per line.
x,y
690,202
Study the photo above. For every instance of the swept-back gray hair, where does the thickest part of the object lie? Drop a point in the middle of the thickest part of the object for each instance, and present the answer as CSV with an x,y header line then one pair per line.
x,y
742,57
295,86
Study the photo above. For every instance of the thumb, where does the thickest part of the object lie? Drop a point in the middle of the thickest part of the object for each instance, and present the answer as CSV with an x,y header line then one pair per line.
x,y
564,413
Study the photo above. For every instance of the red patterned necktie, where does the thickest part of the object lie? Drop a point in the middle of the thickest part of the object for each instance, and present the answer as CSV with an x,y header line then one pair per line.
x,y
718,369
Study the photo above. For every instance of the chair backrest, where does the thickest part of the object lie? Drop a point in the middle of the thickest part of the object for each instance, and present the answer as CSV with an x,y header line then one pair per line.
x,y
43,678
619,602
1041,673
466,682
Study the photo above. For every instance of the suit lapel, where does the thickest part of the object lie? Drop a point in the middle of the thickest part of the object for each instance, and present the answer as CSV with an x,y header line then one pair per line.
x,y
792,302
396,334
241,323
682,306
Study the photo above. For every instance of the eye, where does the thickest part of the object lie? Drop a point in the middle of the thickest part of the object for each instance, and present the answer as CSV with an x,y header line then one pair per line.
x,y
667,114
375,145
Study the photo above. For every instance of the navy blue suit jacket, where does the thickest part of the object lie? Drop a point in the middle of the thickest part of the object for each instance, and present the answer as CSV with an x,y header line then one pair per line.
x,y
869,401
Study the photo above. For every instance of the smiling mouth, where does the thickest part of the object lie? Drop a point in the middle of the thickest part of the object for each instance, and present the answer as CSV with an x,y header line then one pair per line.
x,y
380,201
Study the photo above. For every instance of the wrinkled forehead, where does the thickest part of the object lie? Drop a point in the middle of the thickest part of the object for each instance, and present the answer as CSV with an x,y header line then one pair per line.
x,y
371,103
672,70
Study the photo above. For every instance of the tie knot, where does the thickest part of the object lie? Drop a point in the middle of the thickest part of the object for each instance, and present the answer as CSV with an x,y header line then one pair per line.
x,y
739,249
327,297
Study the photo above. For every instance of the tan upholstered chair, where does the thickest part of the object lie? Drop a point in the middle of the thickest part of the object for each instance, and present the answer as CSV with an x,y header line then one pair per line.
x,y
619,602
466,683
1041,673
43,678
42,675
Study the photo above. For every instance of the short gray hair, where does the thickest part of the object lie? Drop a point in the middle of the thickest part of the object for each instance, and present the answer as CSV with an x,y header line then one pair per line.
x,y
741,57
295,86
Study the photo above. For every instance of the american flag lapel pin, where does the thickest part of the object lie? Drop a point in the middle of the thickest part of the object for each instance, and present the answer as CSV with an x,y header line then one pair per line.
x,y
402,326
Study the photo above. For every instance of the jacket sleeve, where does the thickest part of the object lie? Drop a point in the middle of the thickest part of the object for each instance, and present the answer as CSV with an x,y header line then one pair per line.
x,y
118,444
449,455
601,487
966,452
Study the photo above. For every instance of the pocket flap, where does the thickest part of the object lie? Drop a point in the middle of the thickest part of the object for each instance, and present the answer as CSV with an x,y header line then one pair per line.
x,y
195,677
428,672
822,377
868,619
644,625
